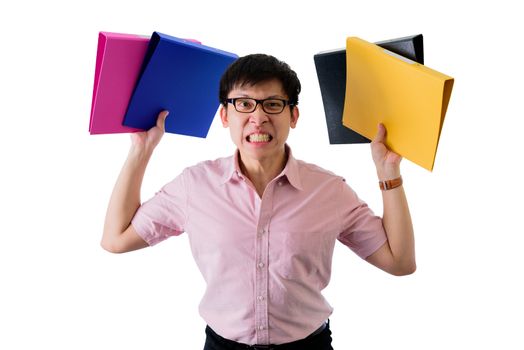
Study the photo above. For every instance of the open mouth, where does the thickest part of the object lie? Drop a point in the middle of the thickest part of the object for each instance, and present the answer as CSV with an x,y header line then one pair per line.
x,y
259,138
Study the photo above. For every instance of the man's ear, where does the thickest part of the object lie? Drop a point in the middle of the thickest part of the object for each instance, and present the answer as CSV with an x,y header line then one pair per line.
x,y
223,116
294,117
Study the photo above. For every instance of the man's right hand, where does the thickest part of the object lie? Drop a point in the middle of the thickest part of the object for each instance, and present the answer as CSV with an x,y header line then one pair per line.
x,y
148,140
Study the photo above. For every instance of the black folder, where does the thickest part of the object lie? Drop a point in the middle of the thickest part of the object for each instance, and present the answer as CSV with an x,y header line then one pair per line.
x,y
331,73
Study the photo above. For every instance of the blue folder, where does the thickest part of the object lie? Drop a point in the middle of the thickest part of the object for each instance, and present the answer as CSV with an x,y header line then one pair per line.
x,y
182,77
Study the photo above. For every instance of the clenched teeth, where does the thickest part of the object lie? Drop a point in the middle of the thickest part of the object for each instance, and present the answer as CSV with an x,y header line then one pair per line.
x,y
259,138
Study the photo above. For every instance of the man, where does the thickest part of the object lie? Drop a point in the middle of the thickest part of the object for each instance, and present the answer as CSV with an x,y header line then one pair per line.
x,y
262,225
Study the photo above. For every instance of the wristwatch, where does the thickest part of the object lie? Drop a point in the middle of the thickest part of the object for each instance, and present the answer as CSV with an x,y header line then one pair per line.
x,y
390,184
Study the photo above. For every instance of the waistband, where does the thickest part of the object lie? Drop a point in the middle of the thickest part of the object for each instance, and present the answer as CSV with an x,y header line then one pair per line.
x,y
290,345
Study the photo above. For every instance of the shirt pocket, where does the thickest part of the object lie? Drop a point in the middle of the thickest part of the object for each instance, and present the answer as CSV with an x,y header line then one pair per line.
x,y
307,255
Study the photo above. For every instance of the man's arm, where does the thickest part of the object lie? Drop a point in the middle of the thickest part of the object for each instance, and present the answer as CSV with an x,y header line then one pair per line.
x,y
119,235
397,255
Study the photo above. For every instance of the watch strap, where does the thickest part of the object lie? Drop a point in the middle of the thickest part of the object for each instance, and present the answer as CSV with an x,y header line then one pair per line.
x,y
390,184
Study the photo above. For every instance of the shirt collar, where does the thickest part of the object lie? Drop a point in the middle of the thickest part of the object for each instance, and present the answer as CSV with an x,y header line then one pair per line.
x,y
232,169
291,170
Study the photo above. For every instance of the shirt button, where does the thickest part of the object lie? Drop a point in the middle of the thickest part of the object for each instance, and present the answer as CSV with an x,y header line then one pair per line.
x,y
261,265
260,297
261,231
279,183
261,328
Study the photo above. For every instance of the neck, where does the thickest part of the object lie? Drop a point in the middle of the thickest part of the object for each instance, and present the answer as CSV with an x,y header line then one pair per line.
x,y
262,171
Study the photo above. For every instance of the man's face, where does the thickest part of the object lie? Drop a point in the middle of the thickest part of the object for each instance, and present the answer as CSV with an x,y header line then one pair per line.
x,y
259,135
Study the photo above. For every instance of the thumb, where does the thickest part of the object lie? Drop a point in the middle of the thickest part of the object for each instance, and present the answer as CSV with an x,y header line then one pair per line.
x,y
161,120
381,134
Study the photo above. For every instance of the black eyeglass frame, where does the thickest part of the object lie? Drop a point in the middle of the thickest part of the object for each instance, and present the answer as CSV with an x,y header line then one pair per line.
x,y
261,102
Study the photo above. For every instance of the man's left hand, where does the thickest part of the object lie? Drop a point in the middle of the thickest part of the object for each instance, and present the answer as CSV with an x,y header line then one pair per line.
x,y
386,161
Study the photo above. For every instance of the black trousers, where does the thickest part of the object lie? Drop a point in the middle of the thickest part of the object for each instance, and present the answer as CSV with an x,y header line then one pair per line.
x,y
320,341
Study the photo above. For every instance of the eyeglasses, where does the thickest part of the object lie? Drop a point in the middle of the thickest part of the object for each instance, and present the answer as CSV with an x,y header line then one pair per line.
x,y
269,105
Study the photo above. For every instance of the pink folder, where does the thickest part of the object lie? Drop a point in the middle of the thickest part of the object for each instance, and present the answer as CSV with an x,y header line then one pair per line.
x,y
118,63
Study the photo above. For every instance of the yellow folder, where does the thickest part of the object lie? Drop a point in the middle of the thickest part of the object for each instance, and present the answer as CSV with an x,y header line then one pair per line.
x,y
409,98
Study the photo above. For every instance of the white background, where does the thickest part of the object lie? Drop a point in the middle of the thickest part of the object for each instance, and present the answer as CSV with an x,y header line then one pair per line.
x,y
60,290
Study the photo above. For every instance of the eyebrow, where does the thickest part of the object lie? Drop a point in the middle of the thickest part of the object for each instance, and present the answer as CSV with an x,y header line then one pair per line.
x,y
272,96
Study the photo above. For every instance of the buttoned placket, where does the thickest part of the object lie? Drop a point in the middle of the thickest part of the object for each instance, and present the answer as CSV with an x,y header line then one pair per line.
x,y
265,208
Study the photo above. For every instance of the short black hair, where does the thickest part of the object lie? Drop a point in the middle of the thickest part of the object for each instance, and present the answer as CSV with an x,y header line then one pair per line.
x,y
256,68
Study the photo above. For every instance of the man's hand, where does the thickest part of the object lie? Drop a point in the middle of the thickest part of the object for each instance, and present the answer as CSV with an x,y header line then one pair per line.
x,y
386,161
148,140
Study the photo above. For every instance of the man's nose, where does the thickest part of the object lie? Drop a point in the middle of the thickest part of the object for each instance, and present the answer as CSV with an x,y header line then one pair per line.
x,y
258,116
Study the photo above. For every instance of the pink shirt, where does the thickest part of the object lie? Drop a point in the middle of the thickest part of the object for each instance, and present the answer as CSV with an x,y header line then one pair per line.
x,y
265,260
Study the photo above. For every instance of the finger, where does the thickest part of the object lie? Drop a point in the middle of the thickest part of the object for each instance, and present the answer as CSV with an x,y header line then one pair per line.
x,y
161,120
380,136
135,138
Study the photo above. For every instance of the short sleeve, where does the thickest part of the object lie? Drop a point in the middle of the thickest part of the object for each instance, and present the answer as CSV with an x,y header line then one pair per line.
x,y
362,231
165,214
